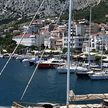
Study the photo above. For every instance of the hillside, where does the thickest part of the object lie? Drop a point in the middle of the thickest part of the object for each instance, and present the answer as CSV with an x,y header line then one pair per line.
x,y
26,8
22,8
98,13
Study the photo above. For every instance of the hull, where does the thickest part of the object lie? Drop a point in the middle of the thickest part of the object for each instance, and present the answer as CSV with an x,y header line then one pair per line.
x,y
64,71
31,63
82,75
50,64
46,66
99,77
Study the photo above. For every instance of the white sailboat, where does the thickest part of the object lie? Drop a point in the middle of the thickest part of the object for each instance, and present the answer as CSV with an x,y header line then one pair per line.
x,y
85,74
103,73
73,69
68,72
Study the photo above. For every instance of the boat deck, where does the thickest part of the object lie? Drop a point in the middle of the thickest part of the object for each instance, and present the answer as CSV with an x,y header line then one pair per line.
x,y
29,105
84,106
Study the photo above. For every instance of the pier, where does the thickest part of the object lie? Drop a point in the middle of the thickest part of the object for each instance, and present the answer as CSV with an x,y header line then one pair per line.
x,y
87,97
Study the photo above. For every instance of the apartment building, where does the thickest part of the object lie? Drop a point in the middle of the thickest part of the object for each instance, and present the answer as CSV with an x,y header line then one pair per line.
x,y
78,36
29,40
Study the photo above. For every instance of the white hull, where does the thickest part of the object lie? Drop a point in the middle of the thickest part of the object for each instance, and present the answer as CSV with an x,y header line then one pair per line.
x,y
99,76
64,70
73,69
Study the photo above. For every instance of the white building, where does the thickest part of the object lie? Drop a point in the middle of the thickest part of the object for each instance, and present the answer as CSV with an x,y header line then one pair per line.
x,y
78,32
98,42
29,40
50,42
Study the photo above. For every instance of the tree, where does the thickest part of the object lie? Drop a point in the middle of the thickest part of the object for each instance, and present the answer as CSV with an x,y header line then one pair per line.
x,y
106,52
64,50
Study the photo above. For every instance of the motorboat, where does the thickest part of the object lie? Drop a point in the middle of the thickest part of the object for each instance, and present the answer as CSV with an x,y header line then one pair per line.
x,y
33,61
50,63
63,69
83,74
102,75
73,69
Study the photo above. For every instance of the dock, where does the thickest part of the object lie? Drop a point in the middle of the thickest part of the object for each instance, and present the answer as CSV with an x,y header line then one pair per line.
x,y
88,97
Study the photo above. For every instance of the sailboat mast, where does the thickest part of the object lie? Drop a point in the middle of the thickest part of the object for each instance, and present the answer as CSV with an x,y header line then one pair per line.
x,y
89,36
103,33
68,56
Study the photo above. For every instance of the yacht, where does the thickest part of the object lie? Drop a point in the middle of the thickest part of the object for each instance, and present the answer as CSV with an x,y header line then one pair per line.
x,y
84,73
102,75
73,69
51,63
33,61
63,69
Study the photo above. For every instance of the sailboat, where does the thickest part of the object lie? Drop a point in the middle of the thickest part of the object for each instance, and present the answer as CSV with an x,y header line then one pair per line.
x,y
103,73
85,74
72,97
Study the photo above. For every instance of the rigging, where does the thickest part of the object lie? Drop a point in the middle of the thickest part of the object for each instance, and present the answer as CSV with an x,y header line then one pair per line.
x,y
20,40
39,60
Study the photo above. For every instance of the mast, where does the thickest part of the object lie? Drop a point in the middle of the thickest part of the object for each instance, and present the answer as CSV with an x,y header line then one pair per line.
x,y
103,33
89,36
68,56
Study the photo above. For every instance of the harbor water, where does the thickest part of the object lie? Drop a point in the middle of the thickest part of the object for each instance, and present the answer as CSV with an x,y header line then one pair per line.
x,y
47,85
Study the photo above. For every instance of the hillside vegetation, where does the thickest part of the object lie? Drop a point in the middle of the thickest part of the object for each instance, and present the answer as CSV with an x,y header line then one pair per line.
x,y
98,13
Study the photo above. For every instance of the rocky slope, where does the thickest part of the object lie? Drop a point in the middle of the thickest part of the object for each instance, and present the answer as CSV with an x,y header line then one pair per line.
x,y
13,8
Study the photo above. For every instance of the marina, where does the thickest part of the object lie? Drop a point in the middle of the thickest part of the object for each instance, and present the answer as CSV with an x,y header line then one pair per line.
x,y
47,85
34,81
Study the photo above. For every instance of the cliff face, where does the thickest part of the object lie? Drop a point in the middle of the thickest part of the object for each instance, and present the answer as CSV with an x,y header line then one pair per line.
x,y
28,7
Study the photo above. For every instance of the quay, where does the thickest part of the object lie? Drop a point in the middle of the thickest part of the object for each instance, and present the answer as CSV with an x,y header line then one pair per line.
x,y
88,97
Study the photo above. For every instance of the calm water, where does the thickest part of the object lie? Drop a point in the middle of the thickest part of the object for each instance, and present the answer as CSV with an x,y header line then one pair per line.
x,y
46,86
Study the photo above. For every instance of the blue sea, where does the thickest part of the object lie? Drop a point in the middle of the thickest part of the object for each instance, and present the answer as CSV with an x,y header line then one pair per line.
x,y
46,86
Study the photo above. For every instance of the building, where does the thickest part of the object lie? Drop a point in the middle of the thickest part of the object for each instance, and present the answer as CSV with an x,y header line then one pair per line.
x,y
78,36
58,33
98,42
30,30
50,42
29,40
